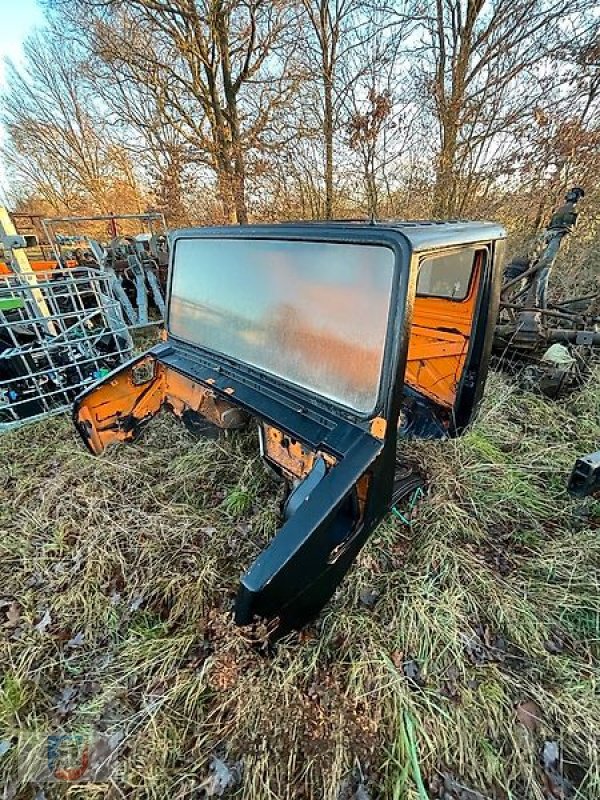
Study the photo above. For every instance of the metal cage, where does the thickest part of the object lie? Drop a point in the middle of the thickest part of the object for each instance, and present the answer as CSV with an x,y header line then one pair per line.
x,y
59,332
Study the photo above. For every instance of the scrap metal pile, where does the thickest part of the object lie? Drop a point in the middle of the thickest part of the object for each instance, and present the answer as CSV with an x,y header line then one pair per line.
x,y
65,316
59,333
555,341
136,264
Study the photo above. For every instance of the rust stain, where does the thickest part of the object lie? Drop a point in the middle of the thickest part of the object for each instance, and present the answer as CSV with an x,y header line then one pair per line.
x,y
378,427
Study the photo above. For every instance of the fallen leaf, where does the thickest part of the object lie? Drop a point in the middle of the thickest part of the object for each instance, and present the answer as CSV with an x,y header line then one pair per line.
x,y
89,688
398,658
529,714
34,581
412,671
550,755
449,686
554,645
66,702
13,614
353,788
482,646
558,785
45,621
308,634
455,790
368,597
103,754
221,778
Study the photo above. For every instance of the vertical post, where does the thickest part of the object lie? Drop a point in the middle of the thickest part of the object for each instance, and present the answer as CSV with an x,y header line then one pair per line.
x,y
19,263
113,231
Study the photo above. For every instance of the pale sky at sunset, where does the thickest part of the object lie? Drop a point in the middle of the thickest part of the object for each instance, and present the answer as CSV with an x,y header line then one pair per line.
x,y
18,18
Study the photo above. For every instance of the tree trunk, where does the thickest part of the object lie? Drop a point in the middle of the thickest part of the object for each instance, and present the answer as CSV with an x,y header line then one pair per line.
x,y
239,174
231,135
328,135
445,177
452,105
371,186
225,189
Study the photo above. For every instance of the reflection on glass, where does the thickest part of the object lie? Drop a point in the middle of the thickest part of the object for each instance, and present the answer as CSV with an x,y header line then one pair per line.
x,y
446,275
312,313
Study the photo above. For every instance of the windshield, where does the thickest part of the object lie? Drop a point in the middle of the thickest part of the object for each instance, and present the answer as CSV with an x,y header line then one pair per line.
x,y
313,313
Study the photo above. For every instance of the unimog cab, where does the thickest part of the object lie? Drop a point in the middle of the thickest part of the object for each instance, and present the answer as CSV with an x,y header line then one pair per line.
x,y
338,340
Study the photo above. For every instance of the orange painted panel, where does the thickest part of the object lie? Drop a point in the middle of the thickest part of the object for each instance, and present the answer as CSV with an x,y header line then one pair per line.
x,y
439,342
36,266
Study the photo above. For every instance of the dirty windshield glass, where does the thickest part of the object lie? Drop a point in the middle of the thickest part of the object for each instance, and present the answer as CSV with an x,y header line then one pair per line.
x,y
313,313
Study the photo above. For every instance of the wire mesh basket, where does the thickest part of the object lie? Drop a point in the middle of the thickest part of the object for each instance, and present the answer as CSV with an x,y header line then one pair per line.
x,y
60,331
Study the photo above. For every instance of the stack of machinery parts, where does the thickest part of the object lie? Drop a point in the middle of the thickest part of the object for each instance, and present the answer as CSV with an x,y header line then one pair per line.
x,y
60,330
555,341
135,265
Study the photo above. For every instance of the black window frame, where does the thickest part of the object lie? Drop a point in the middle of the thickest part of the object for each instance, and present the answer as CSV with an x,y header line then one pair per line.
x,y
398,308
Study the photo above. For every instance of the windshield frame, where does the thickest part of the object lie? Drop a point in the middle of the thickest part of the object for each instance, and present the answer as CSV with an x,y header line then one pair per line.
x,y
395,324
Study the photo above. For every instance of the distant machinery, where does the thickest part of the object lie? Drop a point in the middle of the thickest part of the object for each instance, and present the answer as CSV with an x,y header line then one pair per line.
x,y
556,341
135,263
61,328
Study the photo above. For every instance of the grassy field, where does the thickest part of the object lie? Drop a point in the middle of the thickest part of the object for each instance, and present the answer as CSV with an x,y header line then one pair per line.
x,y
458,660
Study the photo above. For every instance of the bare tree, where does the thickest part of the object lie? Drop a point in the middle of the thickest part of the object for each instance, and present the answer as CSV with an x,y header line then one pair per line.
x,y
479,52
306,108
334,24
58,141
213,71
379,116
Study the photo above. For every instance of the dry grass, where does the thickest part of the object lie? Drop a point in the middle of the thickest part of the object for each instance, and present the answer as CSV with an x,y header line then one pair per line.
x,y
487,601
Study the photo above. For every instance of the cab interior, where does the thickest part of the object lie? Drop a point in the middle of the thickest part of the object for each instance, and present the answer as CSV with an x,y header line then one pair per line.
x,y
443,317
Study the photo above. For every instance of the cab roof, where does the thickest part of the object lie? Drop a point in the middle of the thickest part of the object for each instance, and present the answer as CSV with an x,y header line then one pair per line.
x,y
420,234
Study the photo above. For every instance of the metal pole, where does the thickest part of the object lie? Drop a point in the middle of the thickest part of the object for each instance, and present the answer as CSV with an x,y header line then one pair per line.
x,y
19,263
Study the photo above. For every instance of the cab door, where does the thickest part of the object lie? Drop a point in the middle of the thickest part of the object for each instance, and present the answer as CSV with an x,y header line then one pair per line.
x,y
451,331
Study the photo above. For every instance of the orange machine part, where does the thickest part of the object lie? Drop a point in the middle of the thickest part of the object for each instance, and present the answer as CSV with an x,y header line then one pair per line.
x,y
113,411
293,458
290,455
105,413
439,342
36,266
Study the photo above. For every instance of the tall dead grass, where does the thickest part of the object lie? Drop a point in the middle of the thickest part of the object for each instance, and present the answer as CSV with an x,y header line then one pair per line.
x,y
117,576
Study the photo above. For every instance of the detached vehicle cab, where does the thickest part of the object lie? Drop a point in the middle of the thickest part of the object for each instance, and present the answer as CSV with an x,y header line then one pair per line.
x,y
338,340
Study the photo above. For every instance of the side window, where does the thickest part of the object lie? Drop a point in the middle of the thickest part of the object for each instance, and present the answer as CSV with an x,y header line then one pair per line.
x,y
447,275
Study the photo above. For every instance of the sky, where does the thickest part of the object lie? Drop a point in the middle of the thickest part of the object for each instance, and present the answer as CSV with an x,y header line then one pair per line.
x,y
18,18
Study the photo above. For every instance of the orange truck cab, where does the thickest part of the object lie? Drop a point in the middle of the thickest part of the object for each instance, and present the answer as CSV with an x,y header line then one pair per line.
x,y
338,340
